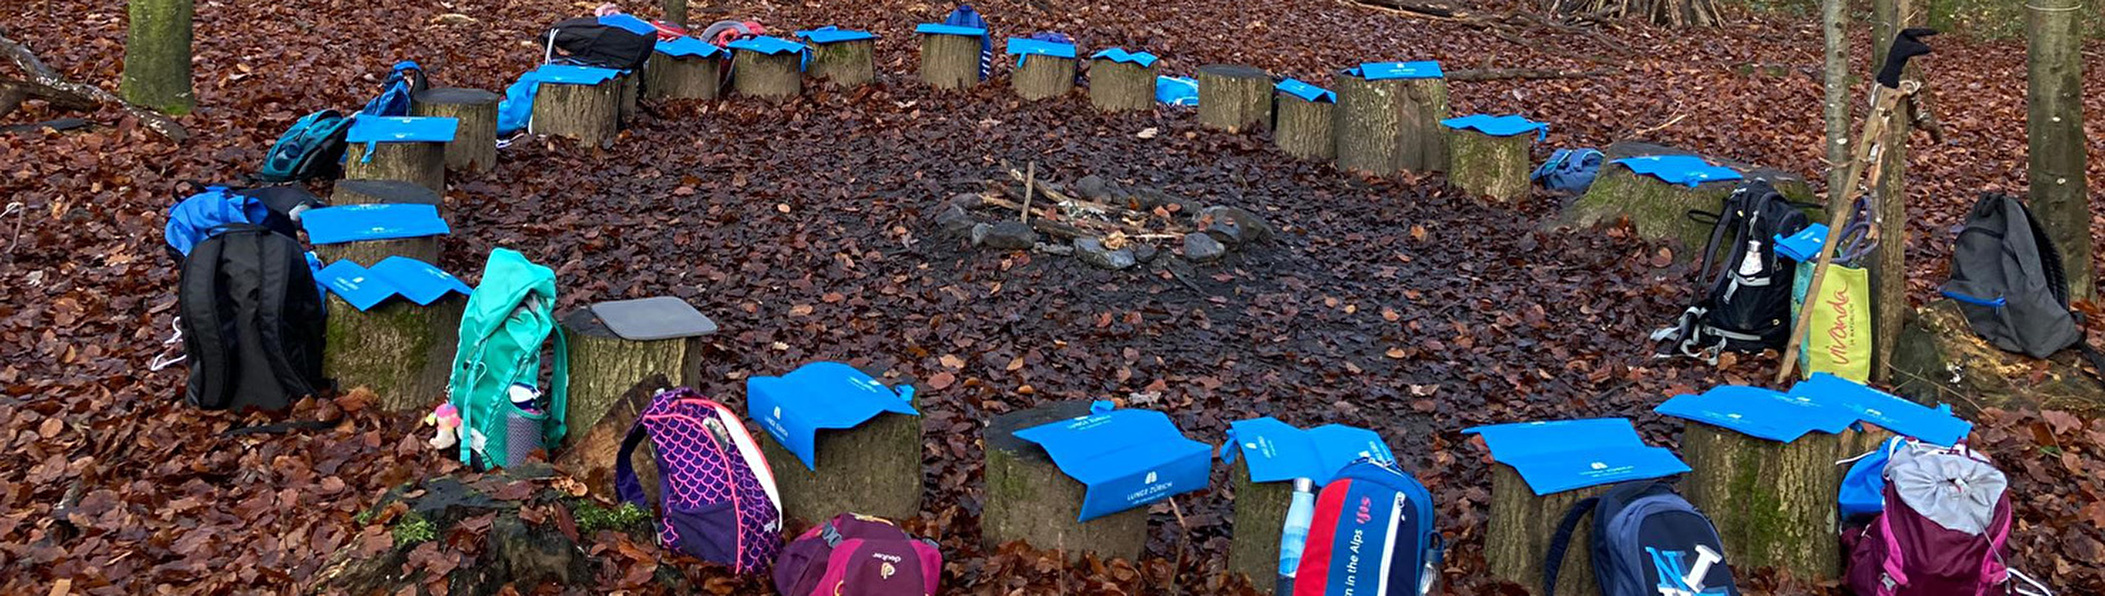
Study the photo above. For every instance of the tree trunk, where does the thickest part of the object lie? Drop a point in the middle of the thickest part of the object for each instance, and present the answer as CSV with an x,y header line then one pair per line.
x,y
1941,359
1888,263
630,89
603,366
1121,86
587,114
872,469
1424,139
1043,77
767,76
1773,503
1518,537
950,61
1260,520
1368,124
845,64
1234,98
422,163
1835,102
400,350
1030,499
2054,123
1303,129
675,11
157,56
667,77
1496,167
474,146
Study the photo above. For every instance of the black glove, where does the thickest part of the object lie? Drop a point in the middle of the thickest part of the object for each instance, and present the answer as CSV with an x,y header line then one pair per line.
x,y
1907,44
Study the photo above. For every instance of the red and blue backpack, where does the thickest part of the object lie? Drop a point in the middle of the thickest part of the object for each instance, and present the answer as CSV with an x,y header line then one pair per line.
x,y
858,555
1372,533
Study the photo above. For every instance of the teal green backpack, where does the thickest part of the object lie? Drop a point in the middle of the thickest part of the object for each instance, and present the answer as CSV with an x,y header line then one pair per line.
x,y
508,317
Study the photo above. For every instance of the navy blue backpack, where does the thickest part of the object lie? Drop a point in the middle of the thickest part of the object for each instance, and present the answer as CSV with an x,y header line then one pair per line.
x,y
1569,171
403,83
1646,541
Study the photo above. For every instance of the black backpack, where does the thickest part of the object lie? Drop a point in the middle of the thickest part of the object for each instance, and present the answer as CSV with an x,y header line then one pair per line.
x,y
2007,279
251,321
1645,538
587,41
1747,305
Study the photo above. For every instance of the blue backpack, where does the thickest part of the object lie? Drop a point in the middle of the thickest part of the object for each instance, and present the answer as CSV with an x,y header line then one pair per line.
x,y
517,107
205,214
312,148
1569,171
1646,540
1372,533
965,16
403,83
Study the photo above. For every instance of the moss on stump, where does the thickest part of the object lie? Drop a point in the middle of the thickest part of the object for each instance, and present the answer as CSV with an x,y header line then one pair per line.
x,y
1491,166
604,367
1260,519
1940,359
843,63
1773,503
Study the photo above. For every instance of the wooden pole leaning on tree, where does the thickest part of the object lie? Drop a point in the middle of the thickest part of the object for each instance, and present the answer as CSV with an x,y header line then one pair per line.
x,y
841,57
1772,502
683,69
1368,124
1302,127
400,350
768,68
1030,499
157,56
474,145
585,108
1125,83
1517,537
1234,98
950,56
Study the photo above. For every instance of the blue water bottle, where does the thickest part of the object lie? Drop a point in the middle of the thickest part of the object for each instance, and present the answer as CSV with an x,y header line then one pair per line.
x,y
1299,513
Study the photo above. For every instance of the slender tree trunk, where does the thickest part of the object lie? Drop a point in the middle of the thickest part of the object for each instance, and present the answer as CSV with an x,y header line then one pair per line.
x,y
676,12
2054,126
1889,272
157,56
1837,100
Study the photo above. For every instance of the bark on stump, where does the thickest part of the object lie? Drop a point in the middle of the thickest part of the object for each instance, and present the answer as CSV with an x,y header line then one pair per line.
x,y
1259,511
1491,166
1303,129
1424,139
767,76
845,64
588,114
592,451
1773,503
1030,499
1518,537
1043,77
603,366
1121,86
1234,98
668,77
950,61
399,349
421,163
1941,359
1657,209
1368,124
474,146
629,89
872,469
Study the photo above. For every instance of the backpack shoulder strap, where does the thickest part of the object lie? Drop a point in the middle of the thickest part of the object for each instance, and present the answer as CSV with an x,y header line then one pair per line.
x,y
204,344
1561,541
2049,256
559,389
625,484
276,259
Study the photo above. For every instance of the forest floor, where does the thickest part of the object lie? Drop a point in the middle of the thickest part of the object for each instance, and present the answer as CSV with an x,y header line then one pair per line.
x,y
1392,304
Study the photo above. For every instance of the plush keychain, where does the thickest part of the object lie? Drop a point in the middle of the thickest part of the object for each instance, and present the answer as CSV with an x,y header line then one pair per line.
x,y
448,420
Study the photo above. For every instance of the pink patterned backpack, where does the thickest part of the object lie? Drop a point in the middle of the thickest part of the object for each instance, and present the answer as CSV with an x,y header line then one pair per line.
x,y
719,495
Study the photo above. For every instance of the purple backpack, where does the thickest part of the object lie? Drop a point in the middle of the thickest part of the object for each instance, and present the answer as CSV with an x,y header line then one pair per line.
x,y
1947,515
719,495
857,555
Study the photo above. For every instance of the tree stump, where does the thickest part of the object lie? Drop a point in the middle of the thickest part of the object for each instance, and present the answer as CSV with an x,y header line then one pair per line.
x,y
1368,124
630,88
588,114
1303,129
603,366
591,452
845,64
1043,77
1030,499
950,62
1773,503
1491,166
1424,139
422,163
1940,359
1659,211
474,146
872,469
1259,511
681,77
1121,86
1518,537
1234,98
401,350
767,76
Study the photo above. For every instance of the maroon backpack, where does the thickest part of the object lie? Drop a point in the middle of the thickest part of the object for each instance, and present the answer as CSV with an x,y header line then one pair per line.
x,y
857,555
1946,518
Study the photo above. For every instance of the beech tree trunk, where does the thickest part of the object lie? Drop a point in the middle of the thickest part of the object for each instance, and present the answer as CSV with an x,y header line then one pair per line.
x,y
1517,539
667,77
1260,519
1835,102
1303,130
766,76
950,61
675,11
474,146
1121,86
872,469
157,56
1030,499
587,114
1368,124
845,64
1496,167
399,349
1888,266
1773,503
2054,126
1424,139
1234,98
1043,77
422,163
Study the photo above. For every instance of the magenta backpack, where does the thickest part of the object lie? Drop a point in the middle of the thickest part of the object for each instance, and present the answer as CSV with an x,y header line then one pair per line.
x,y
719,495
856,555
1946,518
